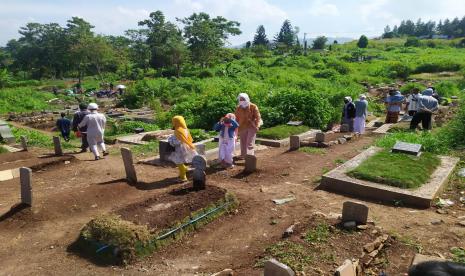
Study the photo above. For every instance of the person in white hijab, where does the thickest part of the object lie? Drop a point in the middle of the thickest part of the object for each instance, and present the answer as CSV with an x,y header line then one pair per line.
x,y
95,123
249,119
361,109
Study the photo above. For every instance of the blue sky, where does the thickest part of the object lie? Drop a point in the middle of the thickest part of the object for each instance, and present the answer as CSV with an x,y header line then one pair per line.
x,y
341,18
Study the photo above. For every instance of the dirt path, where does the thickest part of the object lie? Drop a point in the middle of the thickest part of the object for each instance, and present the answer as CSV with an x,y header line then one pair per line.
x,y
68,196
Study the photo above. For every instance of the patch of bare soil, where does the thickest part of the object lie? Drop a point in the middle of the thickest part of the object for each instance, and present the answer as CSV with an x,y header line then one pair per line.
x,y
162,211
29,160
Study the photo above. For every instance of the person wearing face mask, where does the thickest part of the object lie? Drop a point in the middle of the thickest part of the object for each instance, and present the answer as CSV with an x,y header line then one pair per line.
x,y
249,119
227,140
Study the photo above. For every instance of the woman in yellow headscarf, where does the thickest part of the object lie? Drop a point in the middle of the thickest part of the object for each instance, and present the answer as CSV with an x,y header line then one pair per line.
x,y
184,148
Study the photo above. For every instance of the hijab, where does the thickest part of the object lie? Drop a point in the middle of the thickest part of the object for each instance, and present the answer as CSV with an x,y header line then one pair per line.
x,y
181,132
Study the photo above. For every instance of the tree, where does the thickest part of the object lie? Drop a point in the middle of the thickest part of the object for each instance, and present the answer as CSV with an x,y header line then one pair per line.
x,y
319,43
205,36
412,42
362,42
260,37
248,44
286,34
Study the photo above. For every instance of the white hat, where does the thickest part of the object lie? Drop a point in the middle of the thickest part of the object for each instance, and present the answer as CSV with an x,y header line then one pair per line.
x,y
363,96
92,106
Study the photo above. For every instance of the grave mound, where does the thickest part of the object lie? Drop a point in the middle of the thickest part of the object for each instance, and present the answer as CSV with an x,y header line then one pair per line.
x,y
397,169
139,229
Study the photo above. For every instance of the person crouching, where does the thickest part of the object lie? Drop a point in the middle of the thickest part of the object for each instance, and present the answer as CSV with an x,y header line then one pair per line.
x,y
184,149
227,141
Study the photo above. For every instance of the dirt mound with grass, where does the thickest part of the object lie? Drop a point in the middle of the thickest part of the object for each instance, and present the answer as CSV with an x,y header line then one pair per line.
x,y
160,212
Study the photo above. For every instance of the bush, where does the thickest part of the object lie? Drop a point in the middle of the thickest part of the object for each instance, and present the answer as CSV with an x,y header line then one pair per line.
x,y
412,42
438,66
310,107
127,127
447,88
326,74
410,86
398,70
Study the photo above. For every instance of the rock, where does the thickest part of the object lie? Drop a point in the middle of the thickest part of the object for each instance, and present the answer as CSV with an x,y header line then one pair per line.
x,y
419,258
461,172
289,231
226,272
437,221
348,137
462,223
324,145
344,128
275,268
346,269
342,141
67,162
373,253
354,211
362,227
349,225
441,211
320,137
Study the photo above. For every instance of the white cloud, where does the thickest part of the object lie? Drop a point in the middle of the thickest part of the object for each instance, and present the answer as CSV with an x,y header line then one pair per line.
x,y
321,8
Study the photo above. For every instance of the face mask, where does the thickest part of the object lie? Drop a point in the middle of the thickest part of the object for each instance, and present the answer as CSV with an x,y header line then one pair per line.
x,y
227,124
243,104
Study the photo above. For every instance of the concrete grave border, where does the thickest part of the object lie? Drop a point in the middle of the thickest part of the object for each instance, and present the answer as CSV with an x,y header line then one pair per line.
x,y
338,181
286,141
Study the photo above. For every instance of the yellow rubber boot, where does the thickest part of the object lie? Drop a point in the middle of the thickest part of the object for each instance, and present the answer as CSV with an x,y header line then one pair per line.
x,y
182,172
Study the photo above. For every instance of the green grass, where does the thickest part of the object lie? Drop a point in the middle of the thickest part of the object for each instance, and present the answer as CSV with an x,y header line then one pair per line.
x,y
318,234
41,140
458,254
430,141
148,149
397,169
3,150
293,254
211,145
23,99
281,131
312,150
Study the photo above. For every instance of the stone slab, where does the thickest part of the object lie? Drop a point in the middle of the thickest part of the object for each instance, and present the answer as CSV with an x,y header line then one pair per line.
x,y
6,134
354,211
128,161
346,269
11,149
338,181
26,185
419,258
286,141
295,123
57,146
383,129
250,163
275,268
407,148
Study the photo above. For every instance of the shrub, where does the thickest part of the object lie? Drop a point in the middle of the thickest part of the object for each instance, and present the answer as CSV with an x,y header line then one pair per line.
x,y
326,74
340,67
127,127
412,42
438,66
411,85
398,70
310,107
447,88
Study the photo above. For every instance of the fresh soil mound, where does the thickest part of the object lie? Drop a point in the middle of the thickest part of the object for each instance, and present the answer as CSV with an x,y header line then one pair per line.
x,y
26,159
162,211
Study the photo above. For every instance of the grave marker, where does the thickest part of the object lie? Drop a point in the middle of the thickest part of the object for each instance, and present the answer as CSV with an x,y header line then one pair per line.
x,y
346,269
128,161
344,128
57,145
275,268
24,142
354,211
5,133
201,148
294,142
199,176
25,176
407,148
295,123
250,163
320,137
165,150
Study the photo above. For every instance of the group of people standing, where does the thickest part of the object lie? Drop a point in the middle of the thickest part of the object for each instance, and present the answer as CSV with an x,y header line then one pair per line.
x,y
354,114
243,123
89,125
420,106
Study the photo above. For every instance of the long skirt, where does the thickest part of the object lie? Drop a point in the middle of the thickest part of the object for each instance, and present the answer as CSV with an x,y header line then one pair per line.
x,y
359,125
392,117
227,148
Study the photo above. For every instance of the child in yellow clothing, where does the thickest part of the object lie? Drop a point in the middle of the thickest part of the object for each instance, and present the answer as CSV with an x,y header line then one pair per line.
x,y
184,149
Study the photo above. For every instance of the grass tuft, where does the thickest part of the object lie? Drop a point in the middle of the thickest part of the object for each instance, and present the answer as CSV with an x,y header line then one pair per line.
x,y
292,254
312,150
397,169
281,131
318,234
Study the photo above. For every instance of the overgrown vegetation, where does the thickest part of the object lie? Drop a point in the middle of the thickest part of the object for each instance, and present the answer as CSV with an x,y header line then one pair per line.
x,y
38,139
389,168
319,233
281,131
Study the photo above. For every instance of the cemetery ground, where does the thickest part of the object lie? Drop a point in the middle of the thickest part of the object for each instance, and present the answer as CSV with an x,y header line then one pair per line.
x,y
67,195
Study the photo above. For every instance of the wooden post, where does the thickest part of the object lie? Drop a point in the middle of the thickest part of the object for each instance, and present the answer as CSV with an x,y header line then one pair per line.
x,y
128,161
25,176
57,146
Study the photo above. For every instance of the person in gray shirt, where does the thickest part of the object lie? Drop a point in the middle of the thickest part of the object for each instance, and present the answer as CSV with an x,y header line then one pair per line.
x,y
361,108
427,104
